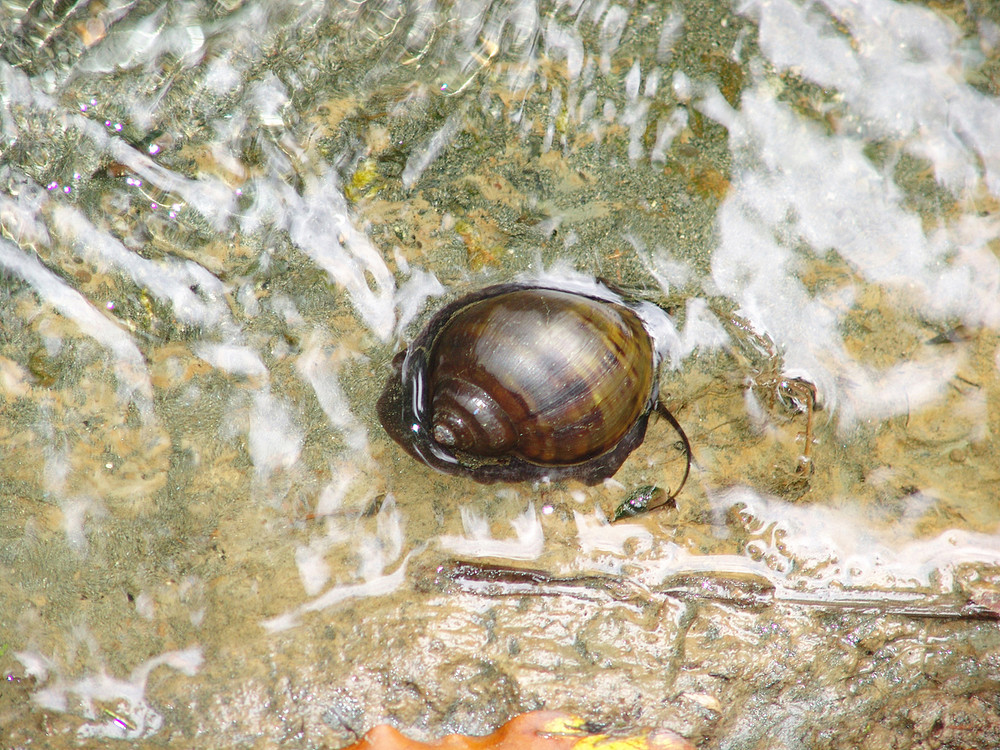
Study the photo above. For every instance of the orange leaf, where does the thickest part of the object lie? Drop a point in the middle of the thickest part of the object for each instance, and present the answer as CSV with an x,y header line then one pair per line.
x,y
537,730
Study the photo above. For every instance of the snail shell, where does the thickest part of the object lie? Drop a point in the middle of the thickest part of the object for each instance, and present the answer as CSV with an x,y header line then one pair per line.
x,y
517,382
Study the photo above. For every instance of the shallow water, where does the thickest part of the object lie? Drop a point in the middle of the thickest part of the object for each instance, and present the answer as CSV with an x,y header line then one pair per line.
x,y
221,221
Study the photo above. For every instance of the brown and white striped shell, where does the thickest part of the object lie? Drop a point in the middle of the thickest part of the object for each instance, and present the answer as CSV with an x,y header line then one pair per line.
x,y
517,382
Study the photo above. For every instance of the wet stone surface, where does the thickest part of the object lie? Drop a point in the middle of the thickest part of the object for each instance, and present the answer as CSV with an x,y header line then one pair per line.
x,y
220,222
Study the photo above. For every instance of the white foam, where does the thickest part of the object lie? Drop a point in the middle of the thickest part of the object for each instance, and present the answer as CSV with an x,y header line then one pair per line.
x,y
413,295
140,41
597,534
611,32
384,547
14,379
634,117
135,718
274,440
145,606
207,194
168,280
660,326
268,96
310,559
319,366
314,571
567,40
632,81
671,31
910,385
233,358
652,83
128,362
425,154
320,225
555,107
333,494
220,75
702,330
22,216
379,586
57,460
35,665
478,541
75,512
794,185
852,544
521,23
901,69
667,128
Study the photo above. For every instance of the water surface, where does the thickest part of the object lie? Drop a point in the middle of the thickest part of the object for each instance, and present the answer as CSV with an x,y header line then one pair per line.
x,y
221,221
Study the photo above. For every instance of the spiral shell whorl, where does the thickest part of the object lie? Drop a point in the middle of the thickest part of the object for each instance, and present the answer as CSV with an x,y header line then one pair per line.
x,y
467,418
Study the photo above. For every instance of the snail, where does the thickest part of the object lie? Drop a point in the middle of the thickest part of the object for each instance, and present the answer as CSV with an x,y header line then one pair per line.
x,y
517,382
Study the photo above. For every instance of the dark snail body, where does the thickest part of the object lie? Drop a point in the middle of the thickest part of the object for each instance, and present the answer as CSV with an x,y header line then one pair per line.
x,y
516,382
